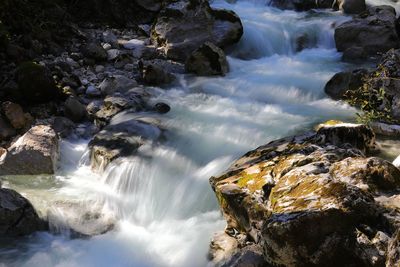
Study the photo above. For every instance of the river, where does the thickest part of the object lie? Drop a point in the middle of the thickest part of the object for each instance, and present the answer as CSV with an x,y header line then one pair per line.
x,y
160,201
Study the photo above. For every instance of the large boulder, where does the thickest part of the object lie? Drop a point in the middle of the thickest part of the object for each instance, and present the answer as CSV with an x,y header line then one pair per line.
x,y
36,84
371,32
17,214
310,200
207,60
182,26
36,152
122,138
344,81
302,5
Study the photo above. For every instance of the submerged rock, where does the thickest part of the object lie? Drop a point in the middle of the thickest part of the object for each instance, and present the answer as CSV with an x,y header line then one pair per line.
x,y
373,31
182,26
308,199
122,139
207,60
18,217
36,152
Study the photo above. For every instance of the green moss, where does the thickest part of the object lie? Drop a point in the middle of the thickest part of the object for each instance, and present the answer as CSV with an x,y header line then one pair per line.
x,y
253,182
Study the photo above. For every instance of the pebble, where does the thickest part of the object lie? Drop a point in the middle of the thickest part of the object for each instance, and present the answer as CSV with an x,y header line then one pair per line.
x,y
99,68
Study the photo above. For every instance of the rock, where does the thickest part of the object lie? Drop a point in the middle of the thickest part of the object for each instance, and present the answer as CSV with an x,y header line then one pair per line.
x,y
6,131
121,139
117,83
74,109
393,257
207,60
92,91
301,5
311,199
162,108
225,252
75,217
386,129
354,54
36,152
36,84
379,95
18,217
182,26
15,115
152,74
373,31
113,54
341,82
99,68
63,126
110,38
137,46
112,105
95,51
351,6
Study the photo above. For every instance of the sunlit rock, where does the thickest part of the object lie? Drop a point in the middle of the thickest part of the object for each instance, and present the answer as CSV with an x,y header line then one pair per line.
x,y
36,152
308,199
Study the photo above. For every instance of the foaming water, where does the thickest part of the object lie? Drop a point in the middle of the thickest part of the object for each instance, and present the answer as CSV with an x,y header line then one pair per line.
x,y
159,201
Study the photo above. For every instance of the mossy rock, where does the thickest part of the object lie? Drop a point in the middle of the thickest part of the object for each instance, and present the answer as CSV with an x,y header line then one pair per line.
x,y
36,84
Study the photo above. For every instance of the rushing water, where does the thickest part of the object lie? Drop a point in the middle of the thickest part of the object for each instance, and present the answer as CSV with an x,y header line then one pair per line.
x,y
160,201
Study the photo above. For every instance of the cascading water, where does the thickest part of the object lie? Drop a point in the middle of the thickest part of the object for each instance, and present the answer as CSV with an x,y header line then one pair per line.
x,y
160,202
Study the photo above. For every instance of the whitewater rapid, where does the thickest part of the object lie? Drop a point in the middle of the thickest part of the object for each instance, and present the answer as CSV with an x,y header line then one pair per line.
x,y
160,200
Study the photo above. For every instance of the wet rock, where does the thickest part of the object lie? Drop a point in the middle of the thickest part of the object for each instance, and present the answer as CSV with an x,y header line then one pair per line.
x,y
182,26
36,84
386,129
351,6
95,51
117,83
36,152
79,219
207,60
113,54
121,139
152,74
162,108
74,109
15,115
344,81
311,199
18,217
300,5
373,31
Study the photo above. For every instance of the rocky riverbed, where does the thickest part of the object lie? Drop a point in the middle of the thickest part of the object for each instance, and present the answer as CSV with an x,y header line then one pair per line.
x,y
149,86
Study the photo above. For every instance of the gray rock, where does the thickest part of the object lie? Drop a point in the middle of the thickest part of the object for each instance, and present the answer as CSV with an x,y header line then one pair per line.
x,y
113,54
74,109
153,74
117,83
207,60
15,115
373,31
344,81
183,26
121,140
63,126
92,91
36,152
17,214
95,51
